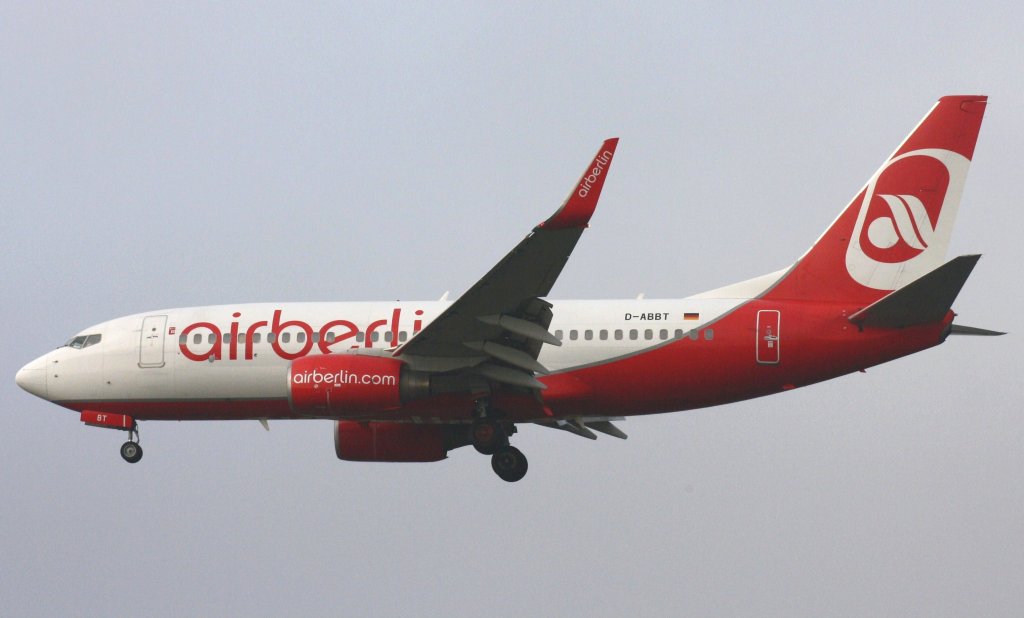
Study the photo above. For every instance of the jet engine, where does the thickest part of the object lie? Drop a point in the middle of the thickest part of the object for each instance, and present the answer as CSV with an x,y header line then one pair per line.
x,y
352,385
384,441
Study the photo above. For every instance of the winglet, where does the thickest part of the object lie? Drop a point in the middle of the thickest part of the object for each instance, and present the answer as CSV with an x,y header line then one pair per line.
x,y
580,205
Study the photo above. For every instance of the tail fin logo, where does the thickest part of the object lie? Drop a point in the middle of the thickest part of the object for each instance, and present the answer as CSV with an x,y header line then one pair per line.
x,y
909,223
906,217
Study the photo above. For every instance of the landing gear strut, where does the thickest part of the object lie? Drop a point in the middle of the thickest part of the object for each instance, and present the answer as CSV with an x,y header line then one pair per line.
x,y
131,451
490,437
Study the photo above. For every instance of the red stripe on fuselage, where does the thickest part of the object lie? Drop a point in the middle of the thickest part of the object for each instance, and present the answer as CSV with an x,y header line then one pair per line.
x,y
189,410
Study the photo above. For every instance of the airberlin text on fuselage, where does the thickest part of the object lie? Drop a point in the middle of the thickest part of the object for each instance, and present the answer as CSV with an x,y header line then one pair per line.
x,y
343,331
588,181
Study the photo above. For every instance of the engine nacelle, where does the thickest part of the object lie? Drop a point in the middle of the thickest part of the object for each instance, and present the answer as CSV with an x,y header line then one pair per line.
x,y
339,385
377,441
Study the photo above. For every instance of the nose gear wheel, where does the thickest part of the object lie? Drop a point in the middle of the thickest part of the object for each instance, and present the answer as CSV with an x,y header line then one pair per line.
x,y
131,450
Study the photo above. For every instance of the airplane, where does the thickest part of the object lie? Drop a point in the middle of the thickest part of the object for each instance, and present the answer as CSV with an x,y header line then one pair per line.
x,y
411,381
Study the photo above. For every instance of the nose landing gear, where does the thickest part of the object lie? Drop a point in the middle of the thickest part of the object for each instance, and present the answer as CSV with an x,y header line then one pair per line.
x,y
131,450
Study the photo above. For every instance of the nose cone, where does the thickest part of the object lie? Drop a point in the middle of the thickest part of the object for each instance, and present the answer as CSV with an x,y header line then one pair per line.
x,y
32,377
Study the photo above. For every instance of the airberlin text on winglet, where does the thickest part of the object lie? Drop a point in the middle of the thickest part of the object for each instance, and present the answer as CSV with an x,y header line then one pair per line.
x,y
600,163
579,207
342,330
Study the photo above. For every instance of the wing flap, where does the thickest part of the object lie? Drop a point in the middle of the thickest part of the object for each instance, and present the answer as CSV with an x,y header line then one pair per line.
x,y
524,328
509,376
582,427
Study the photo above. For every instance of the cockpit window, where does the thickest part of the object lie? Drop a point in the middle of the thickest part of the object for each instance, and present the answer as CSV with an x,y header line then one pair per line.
x,y
83,341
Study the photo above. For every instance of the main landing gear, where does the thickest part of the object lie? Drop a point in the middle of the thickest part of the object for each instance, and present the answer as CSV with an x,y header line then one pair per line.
x,y
509,463
490,437
131,450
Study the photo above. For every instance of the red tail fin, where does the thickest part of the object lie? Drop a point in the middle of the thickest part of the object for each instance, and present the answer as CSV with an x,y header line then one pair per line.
x,y
898,227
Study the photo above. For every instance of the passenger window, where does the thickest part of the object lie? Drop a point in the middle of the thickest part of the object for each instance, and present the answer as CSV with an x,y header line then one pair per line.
x,y
588,334
402,336
256,337
271,337
618,334
315,338
664,334
241,337
375,336
183,339
679,333
197,339
360,336
648,334
227,337
330,337
211,338
286,337
604,334
558,334
573,335
693,335
387,336
634,334
709,334
300,337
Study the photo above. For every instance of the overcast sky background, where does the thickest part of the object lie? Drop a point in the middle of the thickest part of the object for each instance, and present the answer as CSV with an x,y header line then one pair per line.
x,y
175,155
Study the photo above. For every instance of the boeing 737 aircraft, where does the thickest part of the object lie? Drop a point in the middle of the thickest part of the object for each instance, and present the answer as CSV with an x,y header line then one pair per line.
x,y
410,381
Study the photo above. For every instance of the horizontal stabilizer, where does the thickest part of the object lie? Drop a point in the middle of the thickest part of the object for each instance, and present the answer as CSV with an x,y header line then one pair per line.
x,y
926,299
959,329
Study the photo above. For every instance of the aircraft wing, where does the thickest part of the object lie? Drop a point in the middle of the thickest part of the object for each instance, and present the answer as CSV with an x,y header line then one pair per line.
x,y
499,325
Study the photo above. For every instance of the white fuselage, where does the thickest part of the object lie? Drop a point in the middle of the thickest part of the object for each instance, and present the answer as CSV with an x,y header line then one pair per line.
x,y
228,351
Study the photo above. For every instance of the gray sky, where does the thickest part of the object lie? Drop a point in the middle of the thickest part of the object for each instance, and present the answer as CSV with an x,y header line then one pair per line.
x,y
186,155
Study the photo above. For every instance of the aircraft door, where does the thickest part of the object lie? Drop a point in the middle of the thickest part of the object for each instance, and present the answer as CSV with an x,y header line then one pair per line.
x,y
768,336
151,341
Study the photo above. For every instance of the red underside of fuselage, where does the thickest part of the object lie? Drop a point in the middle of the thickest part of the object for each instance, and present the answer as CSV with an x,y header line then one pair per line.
x,y
815,342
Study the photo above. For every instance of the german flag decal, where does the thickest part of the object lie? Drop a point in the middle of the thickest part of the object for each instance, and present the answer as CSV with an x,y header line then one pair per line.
x,y
691,316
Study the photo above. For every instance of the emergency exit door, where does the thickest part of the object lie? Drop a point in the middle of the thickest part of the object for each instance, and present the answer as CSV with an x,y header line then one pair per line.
x,y
768,336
